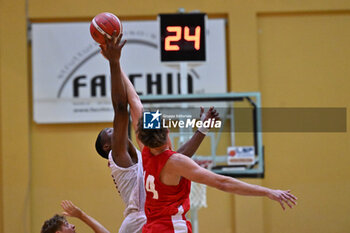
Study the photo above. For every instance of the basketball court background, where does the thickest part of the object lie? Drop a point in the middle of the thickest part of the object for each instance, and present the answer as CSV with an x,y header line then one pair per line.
x,y
295,53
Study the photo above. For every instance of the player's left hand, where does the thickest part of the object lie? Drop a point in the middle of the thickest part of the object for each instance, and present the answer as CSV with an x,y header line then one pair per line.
x,y
70,209
283,197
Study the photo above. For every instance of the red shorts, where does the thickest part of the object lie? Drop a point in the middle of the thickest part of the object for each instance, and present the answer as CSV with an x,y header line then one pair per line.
x,y
170,225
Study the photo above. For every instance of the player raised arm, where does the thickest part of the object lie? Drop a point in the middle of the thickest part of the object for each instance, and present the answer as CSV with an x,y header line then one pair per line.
x,y
191,146
180,165
112,51
136,107
73,211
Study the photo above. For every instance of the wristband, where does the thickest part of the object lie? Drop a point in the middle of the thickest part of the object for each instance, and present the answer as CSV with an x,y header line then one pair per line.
x,y
203,130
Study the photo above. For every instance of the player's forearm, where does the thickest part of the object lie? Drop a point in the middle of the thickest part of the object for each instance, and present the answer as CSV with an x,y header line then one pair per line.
x,y
239,187
134,101
191,146
119,92
93,223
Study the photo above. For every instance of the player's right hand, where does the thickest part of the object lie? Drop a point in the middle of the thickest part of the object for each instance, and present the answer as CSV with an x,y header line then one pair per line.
x,y
210,114
113,47
70,209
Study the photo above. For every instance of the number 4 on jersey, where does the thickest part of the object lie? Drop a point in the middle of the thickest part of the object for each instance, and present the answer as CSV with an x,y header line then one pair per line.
x,y
150,186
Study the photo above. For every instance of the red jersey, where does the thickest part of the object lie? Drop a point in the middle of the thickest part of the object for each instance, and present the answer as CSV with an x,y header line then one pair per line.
x,y
166,205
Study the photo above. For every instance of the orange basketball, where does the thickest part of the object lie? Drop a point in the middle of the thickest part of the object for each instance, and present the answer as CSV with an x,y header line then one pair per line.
x,y
104,24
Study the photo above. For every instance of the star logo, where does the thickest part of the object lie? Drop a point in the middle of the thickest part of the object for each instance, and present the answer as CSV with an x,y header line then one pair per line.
x,y
151,120
155,115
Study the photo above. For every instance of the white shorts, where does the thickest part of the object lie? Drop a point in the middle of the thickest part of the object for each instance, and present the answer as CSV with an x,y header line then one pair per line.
x,y
133,223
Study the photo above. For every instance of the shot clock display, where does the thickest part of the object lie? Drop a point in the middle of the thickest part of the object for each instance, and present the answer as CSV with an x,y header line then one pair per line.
x,y
182,37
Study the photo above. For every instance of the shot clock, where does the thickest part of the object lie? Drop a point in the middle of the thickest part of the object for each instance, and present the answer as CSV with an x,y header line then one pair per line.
x,y
182,37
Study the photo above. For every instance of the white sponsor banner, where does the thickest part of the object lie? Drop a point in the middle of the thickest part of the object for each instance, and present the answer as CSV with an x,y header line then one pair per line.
x,y
241,155
71,80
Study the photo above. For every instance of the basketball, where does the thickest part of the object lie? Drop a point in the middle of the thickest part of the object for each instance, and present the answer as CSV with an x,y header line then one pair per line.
x,y
104,24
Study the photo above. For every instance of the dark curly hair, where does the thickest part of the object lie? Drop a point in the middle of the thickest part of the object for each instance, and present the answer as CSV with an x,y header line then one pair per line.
x,y
53,224
151,137
99,146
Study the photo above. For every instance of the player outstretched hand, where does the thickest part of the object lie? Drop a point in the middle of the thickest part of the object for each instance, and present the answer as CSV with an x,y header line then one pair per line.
x,y
113,47
70,209
210,114
283,197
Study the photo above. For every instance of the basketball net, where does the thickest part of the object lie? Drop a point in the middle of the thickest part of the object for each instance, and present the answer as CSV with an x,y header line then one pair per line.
x,y
198,195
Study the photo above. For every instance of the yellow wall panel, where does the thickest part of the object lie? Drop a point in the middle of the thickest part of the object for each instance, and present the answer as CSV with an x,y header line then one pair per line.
x,y
1,133
14,113
304,62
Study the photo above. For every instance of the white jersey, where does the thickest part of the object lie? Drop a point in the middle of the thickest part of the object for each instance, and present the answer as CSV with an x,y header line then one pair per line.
x,y
129,182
